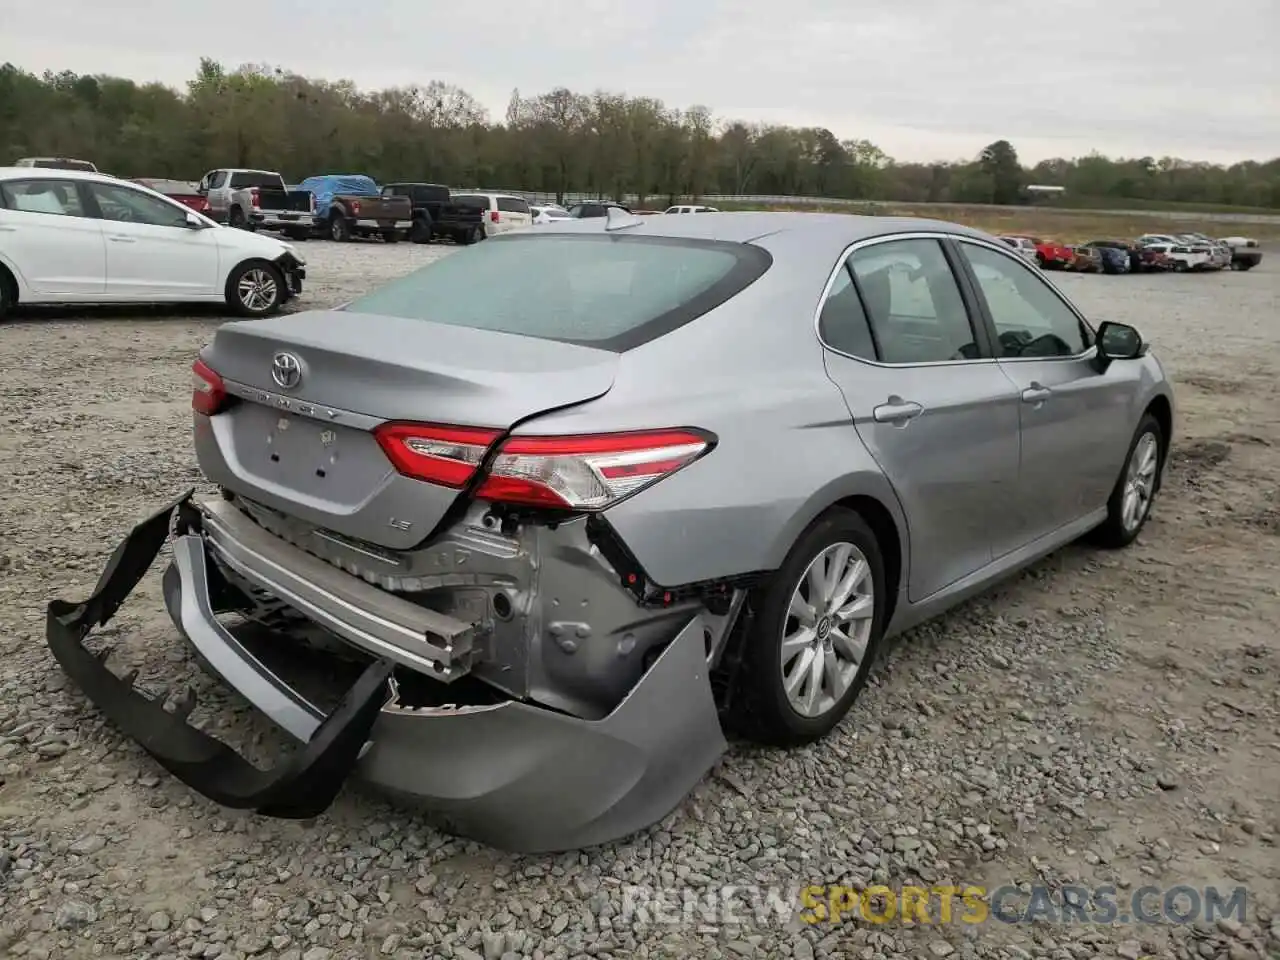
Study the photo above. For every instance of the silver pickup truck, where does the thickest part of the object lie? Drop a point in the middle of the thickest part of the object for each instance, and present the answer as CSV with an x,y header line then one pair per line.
x,y
256,199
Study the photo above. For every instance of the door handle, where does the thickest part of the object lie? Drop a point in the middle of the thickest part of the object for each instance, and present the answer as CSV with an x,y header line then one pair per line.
x,y
898,411
1036,393
122,239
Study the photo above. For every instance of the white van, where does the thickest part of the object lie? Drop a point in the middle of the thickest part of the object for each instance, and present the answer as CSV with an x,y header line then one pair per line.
x,y
503,211
690,208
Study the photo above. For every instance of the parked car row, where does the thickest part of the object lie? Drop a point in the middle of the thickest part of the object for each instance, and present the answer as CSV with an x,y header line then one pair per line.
x,y
1150,252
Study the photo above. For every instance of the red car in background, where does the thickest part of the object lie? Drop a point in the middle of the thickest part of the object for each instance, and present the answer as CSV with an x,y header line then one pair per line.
x,y
1053,256
182,191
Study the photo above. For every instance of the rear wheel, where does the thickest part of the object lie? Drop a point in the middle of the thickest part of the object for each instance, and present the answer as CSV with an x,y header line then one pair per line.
x,y
339,230
390,236
255,289
421,232
811,645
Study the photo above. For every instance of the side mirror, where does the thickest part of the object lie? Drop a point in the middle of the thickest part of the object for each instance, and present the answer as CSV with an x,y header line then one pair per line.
x,y
1118,341
192,222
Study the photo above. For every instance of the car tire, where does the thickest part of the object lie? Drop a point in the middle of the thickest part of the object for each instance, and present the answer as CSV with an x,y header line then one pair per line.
x,y
8,293
339,230
390,236
421,232
237,219
763,710
255,289
1139,478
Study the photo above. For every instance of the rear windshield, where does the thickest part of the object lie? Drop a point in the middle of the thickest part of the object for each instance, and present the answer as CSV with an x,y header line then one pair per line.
x,y
467,200
256,178
170,187
609,292
84,165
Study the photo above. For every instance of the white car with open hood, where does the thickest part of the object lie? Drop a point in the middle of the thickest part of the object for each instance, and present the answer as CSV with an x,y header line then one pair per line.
x,y
68,236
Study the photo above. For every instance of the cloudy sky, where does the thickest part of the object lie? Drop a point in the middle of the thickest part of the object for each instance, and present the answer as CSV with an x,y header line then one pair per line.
x,y
924,79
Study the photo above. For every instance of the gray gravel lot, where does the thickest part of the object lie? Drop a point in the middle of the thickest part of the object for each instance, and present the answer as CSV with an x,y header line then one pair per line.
x,y
1103,719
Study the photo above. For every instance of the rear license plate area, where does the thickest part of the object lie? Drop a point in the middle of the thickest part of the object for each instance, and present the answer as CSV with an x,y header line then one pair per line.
x,y
327,461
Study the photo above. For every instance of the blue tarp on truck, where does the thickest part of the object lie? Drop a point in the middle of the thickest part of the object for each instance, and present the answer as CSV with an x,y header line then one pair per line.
x,y
325,188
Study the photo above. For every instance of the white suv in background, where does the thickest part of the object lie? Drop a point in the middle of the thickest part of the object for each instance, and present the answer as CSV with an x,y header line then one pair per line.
x,y
504,212
690,208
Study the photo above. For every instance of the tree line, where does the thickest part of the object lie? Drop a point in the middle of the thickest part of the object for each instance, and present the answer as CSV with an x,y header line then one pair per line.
x,y
560,142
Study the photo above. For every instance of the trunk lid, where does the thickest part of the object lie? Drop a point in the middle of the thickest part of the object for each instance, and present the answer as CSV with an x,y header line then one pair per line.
x,y
308,450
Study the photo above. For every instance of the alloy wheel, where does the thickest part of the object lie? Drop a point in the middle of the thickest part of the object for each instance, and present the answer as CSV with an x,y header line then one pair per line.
x,y
1140,481
257,290
827,629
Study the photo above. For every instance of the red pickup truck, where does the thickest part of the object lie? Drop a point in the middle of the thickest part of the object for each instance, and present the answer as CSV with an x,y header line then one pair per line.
x,y
1053,256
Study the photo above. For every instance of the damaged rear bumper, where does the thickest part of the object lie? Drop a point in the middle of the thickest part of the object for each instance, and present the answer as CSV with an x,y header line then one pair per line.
x,y
517,776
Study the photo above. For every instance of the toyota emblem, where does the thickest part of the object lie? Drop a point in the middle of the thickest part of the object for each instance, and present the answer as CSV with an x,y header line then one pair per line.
x,y
286,370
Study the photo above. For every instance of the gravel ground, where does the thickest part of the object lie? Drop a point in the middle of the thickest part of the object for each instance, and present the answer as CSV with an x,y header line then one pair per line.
x,y
1104,718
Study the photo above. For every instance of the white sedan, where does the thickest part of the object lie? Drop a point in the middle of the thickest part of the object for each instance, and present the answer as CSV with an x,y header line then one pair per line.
x,y
68,236
548,213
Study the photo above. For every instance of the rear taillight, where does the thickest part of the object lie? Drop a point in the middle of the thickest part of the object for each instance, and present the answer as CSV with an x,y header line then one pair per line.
x,y
203,206
208,392
355,207
582,473
587,472
495,216
253,198
435,453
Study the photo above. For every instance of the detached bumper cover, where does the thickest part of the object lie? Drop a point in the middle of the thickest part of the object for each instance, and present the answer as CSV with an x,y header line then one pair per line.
x,y
303,786
516,776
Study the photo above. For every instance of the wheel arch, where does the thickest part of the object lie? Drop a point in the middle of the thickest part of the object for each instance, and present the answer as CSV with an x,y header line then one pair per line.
x,y
1161,408
872,497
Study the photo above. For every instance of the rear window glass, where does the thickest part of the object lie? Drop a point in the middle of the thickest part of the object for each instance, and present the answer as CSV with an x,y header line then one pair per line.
x,y
613,293
66,165
244,178
170,187
513,205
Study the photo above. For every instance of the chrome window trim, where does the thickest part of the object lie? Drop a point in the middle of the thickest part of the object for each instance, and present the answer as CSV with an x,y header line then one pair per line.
x,y
849,251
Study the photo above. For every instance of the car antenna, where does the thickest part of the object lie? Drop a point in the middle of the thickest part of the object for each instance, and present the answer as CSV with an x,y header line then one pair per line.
x,y
618,219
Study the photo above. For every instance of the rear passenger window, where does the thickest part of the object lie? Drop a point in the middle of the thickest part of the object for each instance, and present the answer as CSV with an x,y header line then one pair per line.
x,y
843,323
913,302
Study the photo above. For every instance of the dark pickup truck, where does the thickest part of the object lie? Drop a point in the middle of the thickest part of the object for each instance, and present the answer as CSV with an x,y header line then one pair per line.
x,y
435,215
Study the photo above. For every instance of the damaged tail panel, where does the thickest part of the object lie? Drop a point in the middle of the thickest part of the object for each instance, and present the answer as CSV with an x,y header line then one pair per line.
x,y
523,776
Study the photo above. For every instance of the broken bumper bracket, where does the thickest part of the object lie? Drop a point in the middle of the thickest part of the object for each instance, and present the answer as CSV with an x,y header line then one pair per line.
x,y
302,786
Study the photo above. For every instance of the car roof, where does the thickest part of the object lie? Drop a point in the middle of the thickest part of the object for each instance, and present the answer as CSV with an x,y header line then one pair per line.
x,y
816,231
37,173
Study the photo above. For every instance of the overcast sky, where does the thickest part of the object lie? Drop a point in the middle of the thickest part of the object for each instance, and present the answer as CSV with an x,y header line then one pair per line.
x,y
923,79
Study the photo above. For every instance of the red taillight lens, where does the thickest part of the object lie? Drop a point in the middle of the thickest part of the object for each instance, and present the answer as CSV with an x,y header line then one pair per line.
x,y
208,393
495,216
253,198
435,453
587,472
355,207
